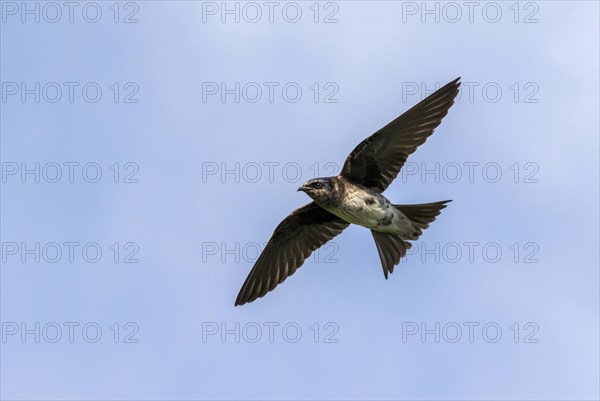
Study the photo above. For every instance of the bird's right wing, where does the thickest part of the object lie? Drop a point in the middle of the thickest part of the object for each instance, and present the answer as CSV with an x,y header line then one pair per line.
x,y
377,160
295,238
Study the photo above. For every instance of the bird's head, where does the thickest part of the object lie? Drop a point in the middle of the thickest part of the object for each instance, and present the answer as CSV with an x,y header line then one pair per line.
x,y
320,189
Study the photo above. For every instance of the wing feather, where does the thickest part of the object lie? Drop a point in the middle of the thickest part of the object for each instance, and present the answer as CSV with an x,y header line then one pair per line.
x,y
295,238
377,160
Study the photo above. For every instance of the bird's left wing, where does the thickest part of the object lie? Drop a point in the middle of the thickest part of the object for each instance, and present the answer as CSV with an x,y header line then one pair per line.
x,y
377,160
295,238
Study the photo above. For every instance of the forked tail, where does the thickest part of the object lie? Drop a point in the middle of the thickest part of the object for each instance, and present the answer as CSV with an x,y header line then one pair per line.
x,y
392,247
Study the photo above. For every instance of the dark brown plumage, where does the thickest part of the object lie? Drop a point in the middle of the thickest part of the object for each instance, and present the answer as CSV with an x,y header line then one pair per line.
x,y
355,197
295,238
377,160
392,248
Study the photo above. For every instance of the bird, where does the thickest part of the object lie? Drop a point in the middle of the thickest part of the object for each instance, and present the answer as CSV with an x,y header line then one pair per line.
x,y
355,197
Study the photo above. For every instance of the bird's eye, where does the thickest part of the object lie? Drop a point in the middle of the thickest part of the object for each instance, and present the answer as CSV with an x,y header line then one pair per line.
x,y
318,185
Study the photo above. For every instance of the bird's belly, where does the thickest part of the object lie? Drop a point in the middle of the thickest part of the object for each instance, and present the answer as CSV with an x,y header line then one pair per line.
x,y
366,210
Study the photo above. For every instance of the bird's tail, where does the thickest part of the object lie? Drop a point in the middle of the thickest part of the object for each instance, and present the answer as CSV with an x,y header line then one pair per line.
x,y
423,214
391,247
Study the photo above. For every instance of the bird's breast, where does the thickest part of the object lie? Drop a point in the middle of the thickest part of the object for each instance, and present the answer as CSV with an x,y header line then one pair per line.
x,y
365,208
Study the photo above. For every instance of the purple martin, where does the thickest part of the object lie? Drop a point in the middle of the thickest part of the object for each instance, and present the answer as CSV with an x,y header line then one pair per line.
x,y
355,197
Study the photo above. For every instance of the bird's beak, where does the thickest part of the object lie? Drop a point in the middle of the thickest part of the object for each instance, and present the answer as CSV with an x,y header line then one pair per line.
x,y
303,188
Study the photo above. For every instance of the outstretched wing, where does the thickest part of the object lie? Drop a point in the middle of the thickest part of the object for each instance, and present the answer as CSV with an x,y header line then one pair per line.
x,y
377,160
295,238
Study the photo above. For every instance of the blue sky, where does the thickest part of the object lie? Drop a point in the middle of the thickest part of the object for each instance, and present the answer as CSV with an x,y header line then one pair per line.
x,y
193,182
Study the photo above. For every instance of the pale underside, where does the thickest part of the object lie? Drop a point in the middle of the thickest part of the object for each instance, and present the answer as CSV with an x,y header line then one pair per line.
x,y
374,211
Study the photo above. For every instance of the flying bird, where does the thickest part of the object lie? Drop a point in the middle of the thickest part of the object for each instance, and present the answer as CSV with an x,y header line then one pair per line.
x,y
355,197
